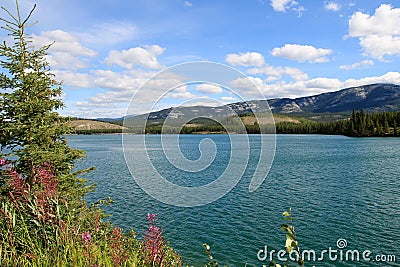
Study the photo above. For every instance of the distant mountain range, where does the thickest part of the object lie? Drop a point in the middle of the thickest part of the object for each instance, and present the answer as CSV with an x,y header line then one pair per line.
x,y
322,107
371,98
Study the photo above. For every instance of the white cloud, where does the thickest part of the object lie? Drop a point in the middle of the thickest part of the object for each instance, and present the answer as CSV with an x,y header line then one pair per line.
x,y
385,21
379,34
280,5
284,5
184,95
379,46
64,42
66,52
323,83
188,4
228,98
73,79
209,88
249,86
113,80
122,86
87,104
302,53
62,60
333,6
142,56
104,111
301,88
389,77
358,65
276,73
245,59
309,87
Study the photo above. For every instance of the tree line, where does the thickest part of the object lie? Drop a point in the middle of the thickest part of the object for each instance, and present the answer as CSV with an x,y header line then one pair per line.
x,y
359,124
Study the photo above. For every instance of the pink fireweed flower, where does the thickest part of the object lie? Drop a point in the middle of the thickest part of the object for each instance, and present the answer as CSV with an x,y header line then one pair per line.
x,y
86,236
154,229
3,162
151,217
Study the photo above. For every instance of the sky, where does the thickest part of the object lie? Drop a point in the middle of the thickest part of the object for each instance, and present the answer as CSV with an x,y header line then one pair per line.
x,y
105,50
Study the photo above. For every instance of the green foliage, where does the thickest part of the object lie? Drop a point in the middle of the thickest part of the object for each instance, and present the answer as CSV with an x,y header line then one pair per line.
x,y
39,228
360,124
44,220
31,131
211,261
291,244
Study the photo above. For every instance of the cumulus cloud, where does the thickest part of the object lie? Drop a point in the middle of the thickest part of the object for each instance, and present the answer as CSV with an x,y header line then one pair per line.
x,y
139,56
318,85
249,86
389,77
333,6
113,80
120,87
276,73
86,111
301,88
73,78
358,65
228,98
302,53
66,52
245,59
64,42
209,88
284,5
379,34
323,83
63,60
184,95
379,46
385,21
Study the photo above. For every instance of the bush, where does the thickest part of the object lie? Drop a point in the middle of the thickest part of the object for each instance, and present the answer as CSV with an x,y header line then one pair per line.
x,y
39,228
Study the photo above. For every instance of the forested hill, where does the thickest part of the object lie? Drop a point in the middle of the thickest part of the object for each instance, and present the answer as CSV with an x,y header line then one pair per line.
x,y
332,106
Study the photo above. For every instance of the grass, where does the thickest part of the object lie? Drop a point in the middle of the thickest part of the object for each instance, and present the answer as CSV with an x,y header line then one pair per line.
x,y
39,228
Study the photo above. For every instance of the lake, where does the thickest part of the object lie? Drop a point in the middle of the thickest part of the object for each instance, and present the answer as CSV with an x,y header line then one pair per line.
x,y
344,192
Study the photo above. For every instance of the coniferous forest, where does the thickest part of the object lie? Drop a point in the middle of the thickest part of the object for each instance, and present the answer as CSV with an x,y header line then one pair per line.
x,y
360,124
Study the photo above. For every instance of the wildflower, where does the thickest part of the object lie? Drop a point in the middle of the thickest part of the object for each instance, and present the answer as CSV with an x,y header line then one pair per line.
x,y
151,217
154,229
153,242
3,162
86,236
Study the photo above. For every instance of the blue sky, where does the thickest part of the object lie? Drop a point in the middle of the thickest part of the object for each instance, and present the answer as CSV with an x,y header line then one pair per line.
x,y
106,49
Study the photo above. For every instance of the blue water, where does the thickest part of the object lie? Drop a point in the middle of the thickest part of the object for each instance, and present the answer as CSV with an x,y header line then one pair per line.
x,y
338,187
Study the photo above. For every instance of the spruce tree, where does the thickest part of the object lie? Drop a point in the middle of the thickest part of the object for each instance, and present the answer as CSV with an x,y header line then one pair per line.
x,y
32,133
378,128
